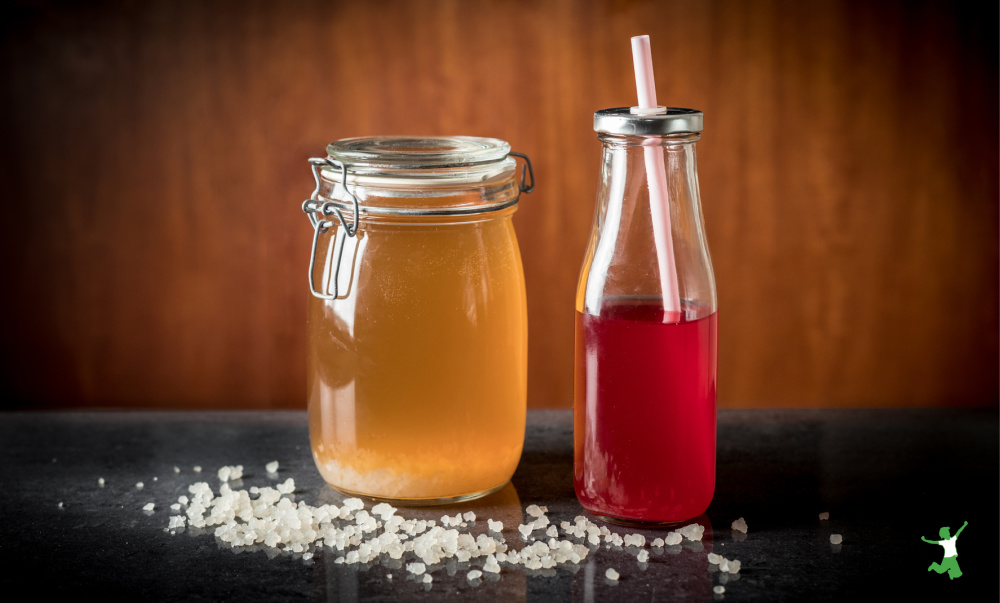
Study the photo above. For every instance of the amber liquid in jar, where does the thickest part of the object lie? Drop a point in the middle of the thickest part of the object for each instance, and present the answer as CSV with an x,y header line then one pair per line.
x,y
417,374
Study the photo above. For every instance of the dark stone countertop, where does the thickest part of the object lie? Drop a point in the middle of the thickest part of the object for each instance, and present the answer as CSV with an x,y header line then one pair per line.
x,y
887,477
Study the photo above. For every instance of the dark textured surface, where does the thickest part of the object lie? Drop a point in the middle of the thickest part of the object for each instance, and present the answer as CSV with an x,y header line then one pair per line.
x,y
886,477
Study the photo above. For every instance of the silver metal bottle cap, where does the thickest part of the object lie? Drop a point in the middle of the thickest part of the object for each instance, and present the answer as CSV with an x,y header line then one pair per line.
x,y
622,120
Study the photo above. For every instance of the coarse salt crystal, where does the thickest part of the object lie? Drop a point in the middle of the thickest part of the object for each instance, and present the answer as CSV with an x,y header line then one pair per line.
x,y
611,574
673,538
472,575
154,478
824,516
533,510
60,505
724,565
138,485
643,556
416,568
495,526
177,469
469,516
100,482
740,525
692,531
658,542
836,538
734,566
271,467
428,579
307,556
714,559
719,589
148,507
197,468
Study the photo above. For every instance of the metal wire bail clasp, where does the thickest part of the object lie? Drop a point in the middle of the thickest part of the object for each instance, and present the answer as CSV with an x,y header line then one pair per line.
x,y
526,172
318,211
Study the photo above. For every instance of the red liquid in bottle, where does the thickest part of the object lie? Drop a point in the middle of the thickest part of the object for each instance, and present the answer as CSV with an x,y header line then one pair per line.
x,y
644,416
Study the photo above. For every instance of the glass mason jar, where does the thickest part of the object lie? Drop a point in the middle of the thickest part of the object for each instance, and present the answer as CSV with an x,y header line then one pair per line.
x,y
646,330
417,323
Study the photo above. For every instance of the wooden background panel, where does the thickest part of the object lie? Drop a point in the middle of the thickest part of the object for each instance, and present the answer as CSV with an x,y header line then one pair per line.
x,y
153,252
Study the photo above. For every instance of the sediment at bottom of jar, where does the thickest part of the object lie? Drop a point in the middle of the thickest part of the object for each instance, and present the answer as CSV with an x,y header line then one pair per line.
x,y
422,502
441,486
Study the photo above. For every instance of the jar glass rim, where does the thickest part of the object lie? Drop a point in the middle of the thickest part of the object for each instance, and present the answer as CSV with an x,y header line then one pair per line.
x,y
417,152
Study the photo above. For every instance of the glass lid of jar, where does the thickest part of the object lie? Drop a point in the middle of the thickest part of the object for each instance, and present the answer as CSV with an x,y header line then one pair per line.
x,y
420,175
417,152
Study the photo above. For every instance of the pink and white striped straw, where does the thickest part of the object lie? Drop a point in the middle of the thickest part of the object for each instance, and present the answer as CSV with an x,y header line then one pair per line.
x,y
656,175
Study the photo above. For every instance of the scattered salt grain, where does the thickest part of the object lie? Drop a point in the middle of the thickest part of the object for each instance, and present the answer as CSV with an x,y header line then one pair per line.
x,y
658,542
416,568
836,538
824,516
100,482
533,510
740,525
383,510
177,469
635,540
692,531
271,467
264,517
175,507
474,574
138,486
230,472
525,529
469,516
724,565
719,589
154,478
149,507
611,574
734,566
673,538
307,556
552,532
714,559
428,579
643,556
197,468
60,505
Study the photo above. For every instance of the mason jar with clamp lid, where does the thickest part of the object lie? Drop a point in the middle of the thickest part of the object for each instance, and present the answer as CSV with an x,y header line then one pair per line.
x,y
417,322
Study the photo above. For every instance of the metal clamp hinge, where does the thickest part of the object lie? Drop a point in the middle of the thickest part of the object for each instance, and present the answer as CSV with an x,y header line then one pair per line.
x,y
526,172
317,211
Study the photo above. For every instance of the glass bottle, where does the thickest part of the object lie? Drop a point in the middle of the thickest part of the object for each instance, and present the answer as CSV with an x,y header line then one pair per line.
x,y
646,328
417,323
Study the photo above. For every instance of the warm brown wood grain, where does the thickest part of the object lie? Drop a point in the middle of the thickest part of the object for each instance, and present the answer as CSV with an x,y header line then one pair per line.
x,y
153,251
